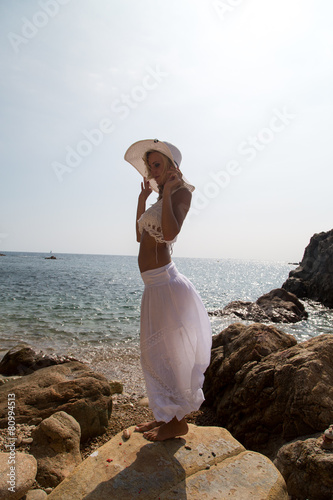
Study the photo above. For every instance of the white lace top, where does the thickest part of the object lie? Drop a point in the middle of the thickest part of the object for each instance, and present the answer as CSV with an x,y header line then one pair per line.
x,y
151,221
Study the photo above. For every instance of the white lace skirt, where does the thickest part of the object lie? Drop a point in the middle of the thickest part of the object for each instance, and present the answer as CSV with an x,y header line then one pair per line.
x,y
175,342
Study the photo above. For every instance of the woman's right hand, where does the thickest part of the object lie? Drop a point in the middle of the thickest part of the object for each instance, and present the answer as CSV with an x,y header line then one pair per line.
x,y
145,189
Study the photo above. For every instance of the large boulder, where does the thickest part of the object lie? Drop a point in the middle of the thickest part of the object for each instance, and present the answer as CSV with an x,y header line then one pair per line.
x,y
71,387
313,278
234,348
307,469
262,384
206,463
23,359
17,474
56,447
277,306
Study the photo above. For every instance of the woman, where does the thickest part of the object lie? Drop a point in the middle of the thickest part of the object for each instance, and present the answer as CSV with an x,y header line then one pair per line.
x,y
175,332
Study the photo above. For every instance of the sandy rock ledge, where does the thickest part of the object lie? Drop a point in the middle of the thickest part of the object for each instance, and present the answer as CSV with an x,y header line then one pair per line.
x,y
208,463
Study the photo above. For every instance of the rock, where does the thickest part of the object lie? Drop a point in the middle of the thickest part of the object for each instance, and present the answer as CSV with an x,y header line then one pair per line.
x,y
71,387
168,470
56,447
313,278
262,384
237,346
36,495
126,433
144,402
277,306
23,359
53,257
26,441
282,307
327,442
21,476
116,387
307,469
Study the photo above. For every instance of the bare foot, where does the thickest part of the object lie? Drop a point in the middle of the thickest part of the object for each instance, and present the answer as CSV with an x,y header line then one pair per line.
x,y
170,430
147,426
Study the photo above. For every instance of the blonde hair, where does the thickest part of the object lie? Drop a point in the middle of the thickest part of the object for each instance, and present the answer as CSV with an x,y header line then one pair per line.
x,y
168,163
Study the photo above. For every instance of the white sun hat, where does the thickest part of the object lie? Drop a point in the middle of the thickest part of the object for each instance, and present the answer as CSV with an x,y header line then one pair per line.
x,y
135,153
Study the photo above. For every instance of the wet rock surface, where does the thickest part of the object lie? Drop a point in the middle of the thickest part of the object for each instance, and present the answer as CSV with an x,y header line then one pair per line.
x,y
23,359
277,306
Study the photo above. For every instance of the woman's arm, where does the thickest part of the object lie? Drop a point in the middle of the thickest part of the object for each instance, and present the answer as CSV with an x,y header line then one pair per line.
x,y
145,192
174,208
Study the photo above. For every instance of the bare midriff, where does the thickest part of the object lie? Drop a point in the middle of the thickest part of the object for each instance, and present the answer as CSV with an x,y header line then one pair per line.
x,y
152,254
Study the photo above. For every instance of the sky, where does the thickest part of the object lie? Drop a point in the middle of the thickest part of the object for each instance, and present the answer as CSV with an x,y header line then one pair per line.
x,y
242,88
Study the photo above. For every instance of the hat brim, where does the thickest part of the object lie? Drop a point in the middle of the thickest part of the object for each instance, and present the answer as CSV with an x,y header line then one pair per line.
x,y
135,153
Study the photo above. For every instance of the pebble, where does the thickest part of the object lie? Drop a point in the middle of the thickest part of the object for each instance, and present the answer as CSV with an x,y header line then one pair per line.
x,y
116,386
327,443
27,440
143,402
36,495
126,433
329,433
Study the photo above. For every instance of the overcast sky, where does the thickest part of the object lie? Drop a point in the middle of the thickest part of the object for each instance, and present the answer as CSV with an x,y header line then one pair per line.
x,y
242,88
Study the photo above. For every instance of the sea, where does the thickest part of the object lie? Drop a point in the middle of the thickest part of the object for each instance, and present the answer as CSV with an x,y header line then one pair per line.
x,y
86,306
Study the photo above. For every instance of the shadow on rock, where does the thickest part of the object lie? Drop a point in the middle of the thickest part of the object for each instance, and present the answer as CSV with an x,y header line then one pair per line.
x,y
148,476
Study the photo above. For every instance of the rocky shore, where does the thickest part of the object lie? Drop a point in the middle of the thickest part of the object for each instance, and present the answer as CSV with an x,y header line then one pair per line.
x,y
51,445
129,402
264,393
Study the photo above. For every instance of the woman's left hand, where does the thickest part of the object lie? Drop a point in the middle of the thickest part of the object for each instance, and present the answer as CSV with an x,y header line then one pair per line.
x,y
173,181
